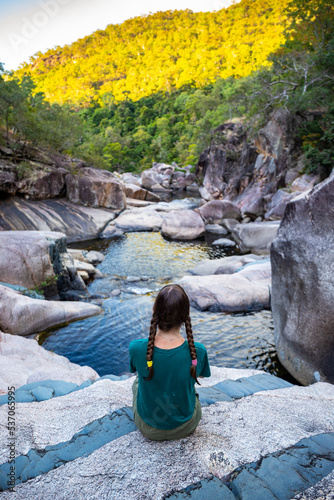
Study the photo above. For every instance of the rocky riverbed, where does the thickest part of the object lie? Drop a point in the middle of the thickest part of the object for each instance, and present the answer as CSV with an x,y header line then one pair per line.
x,y
253,423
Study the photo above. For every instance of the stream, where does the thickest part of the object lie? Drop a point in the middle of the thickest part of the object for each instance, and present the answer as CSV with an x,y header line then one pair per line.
x,y
136,266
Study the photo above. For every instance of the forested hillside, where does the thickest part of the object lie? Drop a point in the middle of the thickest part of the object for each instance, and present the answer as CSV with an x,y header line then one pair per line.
x,y
160,52
161,116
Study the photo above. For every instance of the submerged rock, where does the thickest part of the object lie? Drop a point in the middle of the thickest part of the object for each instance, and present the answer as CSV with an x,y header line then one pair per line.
x,y
303,285
182,225
23,361
20,315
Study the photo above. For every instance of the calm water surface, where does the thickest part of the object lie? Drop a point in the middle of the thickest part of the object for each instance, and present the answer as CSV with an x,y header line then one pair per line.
x,y
232,340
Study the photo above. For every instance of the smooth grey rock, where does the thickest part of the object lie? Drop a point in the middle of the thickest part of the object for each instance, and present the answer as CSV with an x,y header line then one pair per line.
x,y
217,210
21,315
224,242
93,257
183,225
303,285
23,361
225,265
215,229
111,231
221,443
255,237
241,291
77,222
116,292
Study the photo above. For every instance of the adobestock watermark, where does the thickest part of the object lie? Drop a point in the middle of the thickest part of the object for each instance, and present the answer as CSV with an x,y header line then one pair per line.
x,y
31,26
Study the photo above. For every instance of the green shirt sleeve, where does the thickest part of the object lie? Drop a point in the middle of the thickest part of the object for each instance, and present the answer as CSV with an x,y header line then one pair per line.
x,y
132,366
205,371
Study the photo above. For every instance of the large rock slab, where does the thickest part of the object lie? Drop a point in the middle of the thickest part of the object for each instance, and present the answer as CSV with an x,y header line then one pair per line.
x,y
183,225
28,258
35,364
246,290
77,222
21,315
136,219
95,188
303,285
220,445
225,265
39,259
255,237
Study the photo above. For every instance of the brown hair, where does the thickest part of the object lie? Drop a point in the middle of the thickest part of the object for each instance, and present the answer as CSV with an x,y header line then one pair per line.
x,y
171,310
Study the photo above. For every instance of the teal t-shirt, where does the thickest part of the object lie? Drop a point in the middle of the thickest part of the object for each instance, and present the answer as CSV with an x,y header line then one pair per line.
x,y
168,399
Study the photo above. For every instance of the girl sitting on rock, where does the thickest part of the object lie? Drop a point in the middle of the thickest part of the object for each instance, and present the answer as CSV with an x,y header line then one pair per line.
x,y
165,403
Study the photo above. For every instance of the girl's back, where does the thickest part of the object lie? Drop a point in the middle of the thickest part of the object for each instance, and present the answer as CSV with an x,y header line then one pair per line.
x,y
168,399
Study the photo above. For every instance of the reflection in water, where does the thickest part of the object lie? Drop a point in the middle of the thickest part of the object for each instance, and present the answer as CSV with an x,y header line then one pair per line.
x,y
239,340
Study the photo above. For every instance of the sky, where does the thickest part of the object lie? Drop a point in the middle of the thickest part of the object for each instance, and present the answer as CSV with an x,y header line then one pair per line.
x,y
30,26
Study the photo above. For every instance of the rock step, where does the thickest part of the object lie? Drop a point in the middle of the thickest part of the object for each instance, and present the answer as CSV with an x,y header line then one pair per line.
x,y
228,390
281,475
90,438
47,389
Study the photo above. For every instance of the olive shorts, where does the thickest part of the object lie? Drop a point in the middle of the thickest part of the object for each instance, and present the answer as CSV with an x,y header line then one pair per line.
x,y
161,434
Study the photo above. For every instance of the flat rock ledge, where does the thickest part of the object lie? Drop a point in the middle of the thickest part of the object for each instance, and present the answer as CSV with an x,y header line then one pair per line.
x,y
259,438
36,364
21,315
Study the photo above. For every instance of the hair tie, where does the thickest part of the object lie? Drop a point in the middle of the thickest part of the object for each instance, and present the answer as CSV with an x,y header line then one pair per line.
x,y
194,362
149,363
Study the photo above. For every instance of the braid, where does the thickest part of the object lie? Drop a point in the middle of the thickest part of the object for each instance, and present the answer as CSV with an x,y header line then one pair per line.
x,y
192,348
150,344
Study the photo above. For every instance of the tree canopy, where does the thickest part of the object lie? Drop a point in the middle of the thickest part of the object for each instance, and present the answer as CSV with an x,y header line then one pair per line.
x,y
161,52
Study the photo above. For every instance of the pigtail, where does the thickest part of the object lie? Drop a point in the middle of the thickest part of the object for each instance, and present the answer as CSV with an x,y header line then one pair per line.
x,y
150,346
192,349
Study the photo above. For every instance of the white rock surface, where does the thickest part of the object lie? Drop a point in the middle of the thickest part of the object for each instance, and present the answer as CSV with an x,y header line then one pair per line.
x,y
138,219
132,467
21,315
23,361
247,290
